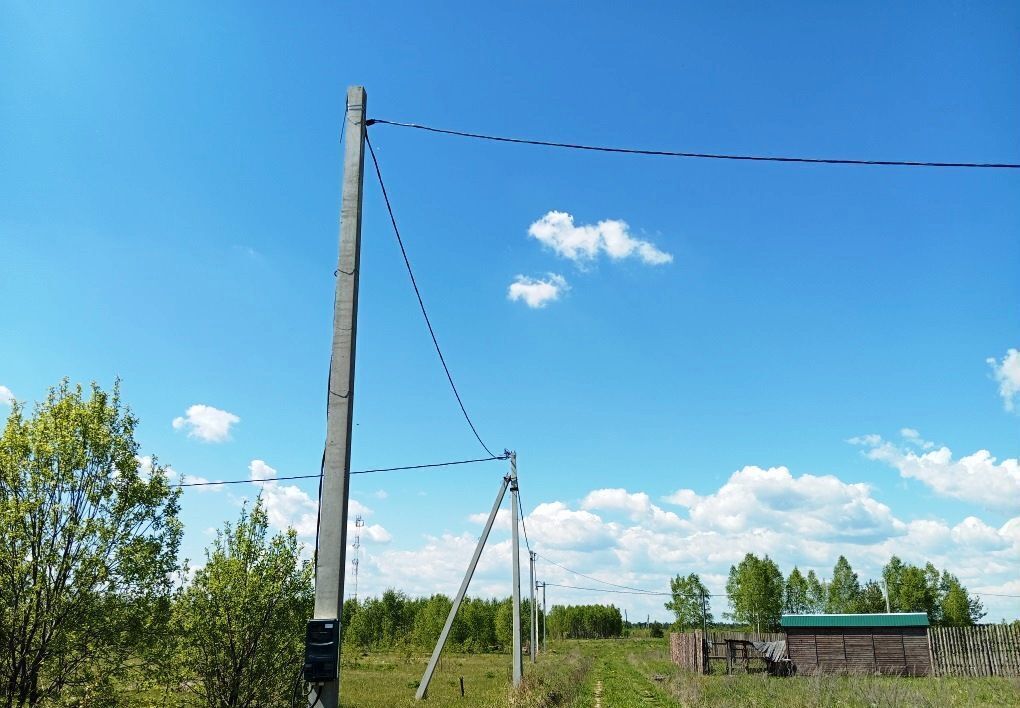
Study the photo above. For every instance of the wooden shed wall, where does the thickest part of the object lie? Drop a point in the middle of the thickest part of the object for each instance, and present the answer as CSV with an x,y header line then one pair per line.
x,y
859,650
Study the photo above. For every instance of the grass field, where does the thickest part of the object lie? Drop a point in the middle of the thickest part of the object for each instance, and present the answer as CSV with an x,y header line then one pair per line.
x,y
637,672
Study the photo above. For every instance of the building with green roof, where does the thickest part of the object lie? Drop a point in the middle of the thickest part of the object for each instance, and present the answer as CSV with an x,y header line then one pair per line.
x,y
883,643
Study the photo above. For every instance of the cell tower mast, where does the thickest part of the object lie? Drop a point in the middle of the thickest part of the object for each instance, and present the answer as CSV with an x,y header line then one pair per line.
x,y
356,546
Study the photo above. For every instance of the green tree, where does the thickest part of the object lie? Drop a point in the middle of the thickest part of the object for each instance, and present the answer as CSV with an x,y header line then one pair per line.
x,y
755,590
816,593
909,588
239,625
689,602
871,599
88,547
844,590
796,600
958,608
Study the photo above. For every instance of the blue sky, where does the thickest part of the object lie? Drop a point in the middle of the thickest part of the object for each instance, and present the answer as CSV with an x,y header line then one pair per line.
x,y
168,214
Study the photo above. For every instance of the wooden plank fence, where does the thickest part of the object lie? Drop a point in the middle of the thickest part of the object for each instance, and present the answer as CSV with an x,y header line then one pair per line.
x,y
982,650
687,649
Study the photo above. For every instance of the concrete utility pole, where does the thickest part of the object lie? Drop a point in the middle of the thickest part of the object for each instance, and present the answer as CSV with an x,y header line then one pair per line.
x,y
331,559
533,641
516,553
541,584
423,685
885,588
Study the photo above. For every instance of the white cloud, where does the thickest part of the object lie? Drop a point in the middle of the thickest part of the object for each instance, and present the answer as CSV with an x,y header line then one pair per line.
x,y
584,243
638,507
620,536
380,494
976,478
819,507
502,519
537,292
289,506
914,438
6,396
1007,373
206,423
561,527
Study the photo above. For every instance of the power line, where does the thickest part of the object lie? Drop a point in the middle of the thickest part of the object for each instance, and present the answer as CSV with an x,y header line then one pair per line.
x,y
524,525
417,292
626,592
369,471
703,155
591,577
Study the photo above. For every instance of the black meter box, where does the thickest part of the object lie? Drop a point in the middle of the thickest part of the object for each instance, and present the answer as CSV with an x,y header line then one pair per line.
x,y
322,650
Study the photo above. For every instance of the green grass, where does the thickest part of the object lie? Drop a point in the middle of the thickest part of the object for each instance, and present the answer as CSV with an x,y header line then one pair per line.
x,y
637,672
630,673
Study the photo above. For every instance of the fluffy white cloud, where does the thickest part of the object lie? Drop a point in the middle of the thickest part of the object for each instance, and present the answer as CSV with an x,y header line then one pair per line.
x,y
977,478
1007,373
288,505
638,506
558,526
631,541
914,438
502,519
206,423
537,292
6,396
584,243
824,508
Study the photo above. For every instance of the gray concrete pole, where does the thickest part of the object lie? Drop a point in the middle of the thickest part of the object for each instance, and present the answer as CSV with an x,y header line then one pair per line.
x,y
533,629
423,686
545,615
516,559
331,558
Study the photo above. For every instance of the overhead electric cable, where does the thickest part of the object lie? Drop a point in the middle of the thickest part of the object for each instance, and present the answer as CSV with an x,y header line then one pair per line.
x,y
590,577
625,592
527,544
703,155
417,292
369,471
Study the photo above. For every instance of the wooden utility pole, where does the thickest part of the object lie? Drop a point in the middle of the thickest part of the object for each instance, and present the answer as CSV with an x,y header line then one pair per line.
x,y
331,557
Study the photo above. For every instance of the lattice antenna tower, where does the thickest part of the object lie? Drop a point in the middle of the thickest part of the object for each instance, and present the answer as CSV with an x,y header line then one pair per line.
x,y
356,561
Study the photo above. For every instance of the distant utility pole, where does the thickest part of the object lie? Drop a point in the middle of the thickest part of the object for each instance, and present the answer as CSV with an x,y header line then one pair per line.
x,y
330,560
541,584
516,553
885,588
356,562
533,641
704,632
509,482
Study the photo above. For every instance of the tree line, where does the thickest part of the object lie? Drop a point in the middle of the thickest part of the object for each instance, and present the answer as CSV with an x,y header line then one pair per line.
x,y
95,606
584,622
395,621
759,595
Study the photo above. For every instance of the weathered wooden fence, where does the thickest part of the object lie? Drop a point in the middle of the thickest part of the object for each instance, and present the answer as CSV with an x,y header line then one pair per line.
x,y
983,650
687,649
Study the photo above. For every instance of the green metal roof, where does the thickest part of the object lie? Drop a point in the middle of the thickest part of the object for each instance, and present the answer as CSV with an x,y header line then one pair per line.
x,y
894,619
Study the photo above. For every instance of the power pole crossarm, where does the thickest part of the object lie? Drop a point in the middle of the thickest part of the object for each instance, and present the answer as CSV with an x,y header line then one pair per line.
x,y
331,559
